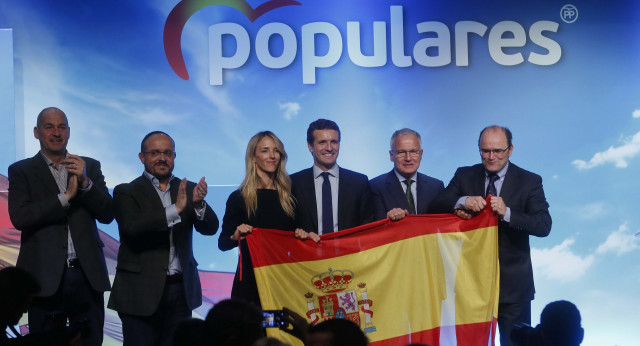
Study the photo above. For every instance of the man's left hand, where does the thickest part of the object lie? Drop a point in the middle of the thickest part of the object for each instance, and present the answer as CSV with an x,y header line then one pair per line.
x,y
498,206
200,191
76,166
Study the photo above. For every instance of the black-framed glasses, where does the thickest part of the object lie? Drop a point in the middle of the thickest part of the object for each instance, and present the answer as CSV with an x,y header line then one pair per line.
x,y
496,152
156,153
401,154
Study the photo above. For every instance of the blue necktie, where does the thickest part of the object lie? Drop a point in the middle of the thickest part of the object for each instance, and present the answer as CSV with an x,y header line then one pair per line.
x,y
491,188
327,206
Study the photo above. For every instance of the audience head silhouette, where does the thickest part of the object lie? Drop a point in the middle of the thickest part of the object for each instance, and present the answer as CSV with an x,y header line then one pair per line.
x,y
560,324
336,332
233,322
17,289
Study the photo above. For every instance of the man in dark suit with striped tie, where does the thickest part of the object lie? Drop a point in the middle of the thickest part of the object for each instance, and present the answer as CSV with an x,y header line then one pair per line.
x,y
520,204
404,191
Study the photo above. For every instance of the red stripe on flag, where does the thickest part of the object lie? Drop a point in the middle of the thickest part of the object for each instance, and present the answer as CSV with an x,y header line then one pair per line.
x,y
475,334
284,248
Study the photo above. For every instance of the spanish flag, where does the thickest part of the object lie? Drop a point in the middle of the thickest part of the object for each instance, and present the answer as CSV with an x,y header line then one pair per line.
x,y
429,279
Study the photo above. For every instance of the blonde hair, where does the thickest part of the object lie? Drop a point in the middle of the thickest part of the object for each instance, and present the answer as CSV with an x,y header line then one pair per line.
x,y
252,182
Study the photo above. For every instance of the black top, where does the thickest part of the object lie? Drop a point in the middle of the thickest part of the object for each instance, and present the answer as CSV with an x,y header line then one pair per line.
x,y
268,215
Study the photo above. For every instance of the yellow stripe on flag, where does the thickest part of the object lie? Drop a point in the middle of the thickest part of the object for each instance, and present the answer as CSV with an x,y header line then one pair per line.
x,y
409,281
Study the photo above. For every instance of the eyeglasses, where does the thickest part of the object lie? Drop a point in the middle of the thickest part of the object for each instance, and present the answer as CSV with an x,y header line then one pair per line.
x,y
156,153
401,154
496,152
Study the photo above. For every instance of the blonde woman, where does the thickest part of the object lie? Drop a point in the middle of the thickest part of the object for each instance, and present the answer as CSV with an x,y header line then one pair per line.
x,y
263,200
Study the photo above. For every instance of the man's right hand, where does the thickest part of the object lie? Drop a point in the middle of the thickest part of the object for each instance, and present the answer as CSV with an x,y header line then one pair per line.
x,y
475,203
396,214
72,188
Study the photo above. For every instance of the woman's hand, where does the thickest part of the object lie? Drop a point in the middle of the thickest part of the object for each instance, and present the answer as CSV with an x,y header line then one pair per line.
x,y
241,231
302,234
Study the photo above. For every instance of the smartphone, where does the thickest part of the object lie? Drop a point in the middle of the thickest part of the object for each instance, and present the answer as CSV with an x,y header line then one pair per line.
x,y
274,319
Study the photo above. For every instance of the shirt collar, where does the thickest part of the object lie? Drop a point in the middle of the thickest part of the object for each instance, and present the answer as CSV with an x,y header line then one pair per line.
x,y
414,177
48,162
155,180
334,171
501,173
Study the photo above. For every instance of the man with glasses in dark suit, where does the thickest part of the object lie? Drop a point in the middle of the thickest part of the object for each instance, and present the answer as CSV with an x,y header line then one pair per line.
x,y
157,283
404,191
517,198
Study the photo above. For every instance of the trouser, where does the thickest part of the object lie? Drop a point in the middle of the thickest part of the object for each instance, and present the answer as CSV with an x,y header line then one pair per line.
x,y
159,328
510,314
75,301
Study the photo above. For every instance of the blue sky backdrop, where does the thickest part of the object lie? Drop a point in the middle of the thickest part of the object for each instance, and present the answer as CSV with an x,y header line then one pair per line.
x,y
576,122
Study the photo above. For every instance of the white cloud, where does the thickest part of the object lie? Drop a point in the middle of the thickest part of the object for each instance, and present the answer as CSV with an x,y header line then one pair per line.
x,y
615,155
636,113
291,109
591,211
559,263
619,241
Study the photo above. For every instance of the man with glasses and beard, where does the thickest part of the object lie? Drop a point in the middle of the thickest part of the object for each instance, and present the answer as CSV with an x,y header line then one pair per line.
x,y
157,284
519,202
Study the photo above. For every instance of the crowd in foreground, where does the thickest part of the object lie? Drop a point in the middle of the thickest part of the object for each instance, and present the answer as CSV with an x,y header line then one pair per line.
x,y
235,322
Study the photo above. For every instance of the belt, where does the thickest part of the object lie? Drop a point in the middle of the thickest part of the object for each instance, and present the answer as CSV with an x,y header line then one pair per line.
x,y
173,279
73,263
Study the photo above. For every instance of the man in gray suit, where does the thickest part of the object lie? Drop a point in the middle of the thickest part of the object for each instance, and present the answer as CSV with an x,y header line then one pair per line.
x,y
404,191
55,199
157,283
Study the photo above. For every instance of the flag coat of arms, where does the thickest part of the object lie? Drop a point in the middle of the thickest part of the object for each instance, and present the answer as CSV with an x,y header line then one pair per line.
x,y
430,279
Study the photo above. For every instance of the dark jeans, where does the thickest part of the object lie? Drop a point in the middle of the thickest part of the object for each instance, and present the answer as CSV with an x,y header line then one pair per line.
x,y
76,301
157,329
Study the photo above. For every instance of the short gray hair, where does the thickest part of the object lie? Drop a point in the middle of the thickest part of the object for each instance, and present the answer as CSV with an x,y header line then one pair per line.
x,y
404,132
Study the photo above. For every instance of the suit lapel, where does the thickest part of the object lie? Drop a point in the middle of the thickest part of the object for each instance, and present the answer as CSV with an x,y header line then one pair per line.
x,y
396,191
423,194
173,189
309,191
42,171
343,196
508,185
146,188
478,185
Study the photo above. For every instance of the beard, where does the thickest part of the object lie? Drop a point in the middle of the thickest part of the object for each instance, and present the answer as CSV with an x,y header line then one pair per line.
x,y
161,170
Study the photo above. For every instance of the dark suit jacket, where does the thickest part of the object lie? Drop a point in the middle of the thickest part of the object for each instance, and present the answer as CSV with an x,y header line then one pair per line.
x,y
522,192
143,256
388,193
34,209
354,199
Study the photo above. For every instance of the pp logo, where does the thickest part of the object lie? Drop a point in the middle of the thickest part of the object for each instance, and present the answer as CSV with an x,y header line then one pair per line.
x,y
569,13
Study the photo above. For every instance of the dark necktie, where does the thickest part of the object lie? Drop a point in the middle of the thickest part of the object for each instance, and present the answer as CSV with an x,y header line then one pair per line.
x,y
491,188
412,205
327,206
